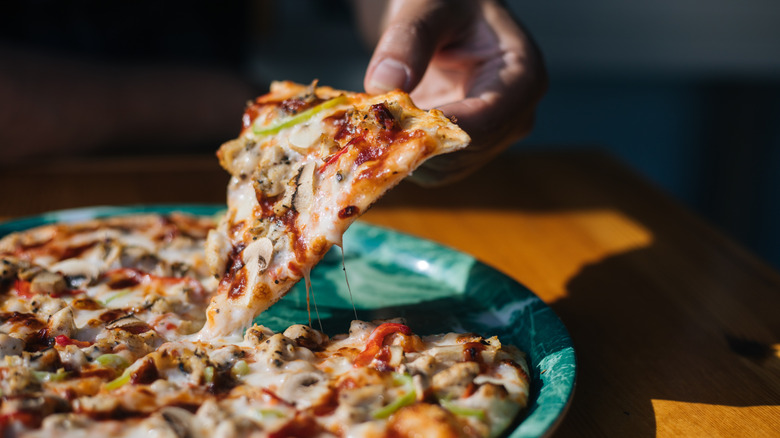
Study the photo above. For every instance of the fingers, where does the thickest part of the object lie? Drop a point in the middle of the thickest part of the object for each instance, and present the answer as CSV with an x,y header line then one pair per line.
x,y
505,86
415,30
471,60
499,105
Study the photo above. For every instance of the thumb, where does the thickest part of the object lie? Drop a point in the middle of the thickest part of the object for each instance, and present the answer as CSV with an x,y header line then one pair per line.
x,y
415,30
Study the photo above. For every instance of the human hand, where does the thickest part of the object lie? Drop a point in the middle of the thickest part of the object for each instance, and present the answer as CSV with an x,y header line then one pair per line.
x,y
469,59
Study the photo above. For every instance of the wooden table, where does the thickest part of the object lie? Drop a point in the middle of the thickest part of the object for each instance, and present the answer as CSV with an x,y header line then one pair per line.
x,y
677,329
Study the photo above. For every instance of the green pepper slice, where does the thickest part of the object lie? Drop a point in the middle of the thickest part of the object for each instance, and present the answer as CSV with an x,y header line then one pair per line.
x,y
299,118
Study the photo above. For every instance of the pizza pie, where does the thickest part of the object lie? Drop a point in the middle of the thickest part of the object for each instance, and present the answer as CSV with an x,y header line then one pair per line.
x,y
142,324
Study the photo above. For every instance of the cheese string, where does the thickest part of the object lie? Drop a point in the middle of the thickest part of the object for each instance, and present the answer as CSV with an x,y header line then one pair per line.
x,y
309,289
346,279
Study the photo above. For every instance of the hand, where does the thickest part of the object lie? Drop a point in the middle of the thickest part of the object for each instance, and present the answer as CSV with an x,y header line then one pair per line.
x,y
469,59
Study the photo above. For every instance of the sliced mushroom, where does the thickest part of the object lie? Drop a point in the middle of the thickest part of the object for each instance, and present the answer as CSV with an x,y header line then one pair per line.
x,y
303,137
360,329
9,267
47,282
356,404
61,323
179,420
257,334
286,203
226,356
180,269
276,350
304,193
306,336
46,360
304,389
46,306
27,271
129,323
257,257
78,273
130,333
139,258
111,250
10,346
278,171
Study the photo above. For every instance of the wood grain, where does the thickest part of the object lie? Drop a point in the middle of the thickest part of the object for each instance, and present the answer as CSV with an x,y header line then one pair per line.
x,y
677,329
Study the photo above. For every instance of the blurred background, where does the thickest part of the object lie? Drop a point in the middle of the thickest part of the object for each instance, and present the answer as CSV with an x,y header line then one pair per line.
x,y
685,92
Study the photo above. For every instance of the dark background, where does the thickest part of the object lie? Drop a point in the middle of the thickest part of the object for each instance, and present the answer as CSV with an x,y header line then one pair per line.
x,y
685,92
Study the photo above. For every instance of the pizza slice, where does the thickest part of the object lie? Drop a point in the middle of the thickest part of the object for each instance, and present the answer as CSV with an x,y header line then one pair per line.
x,y
308,162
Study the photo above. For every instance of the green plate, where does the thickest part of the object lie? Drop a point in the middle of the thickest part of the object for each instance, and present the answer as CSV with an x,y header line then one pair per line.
x,y
437,289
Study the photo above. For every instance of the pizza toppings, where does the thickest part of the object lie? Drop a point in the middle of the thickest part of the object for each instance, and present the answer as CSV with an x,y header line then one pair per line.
x,y
376,340
406,396
287,122
124,326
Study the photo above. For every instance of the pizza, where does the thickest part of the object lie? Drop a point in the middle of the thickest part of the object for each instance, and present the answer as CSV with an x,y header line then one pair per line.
x,y
145,324
308,162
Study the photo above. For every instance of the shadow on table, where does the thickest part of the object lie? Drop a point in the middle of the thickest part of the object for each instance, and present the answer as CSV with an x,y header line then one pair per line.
x,y
678,311
612,314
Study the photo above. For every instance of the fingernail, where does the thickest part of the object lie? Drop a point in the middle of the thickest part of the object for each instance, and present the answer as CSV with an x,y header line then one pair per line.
x,y
389,75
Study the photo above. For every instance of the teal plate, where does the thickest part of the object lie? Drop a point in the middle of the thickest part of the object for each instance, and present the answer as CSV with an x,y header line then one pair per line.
x,y
436,289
